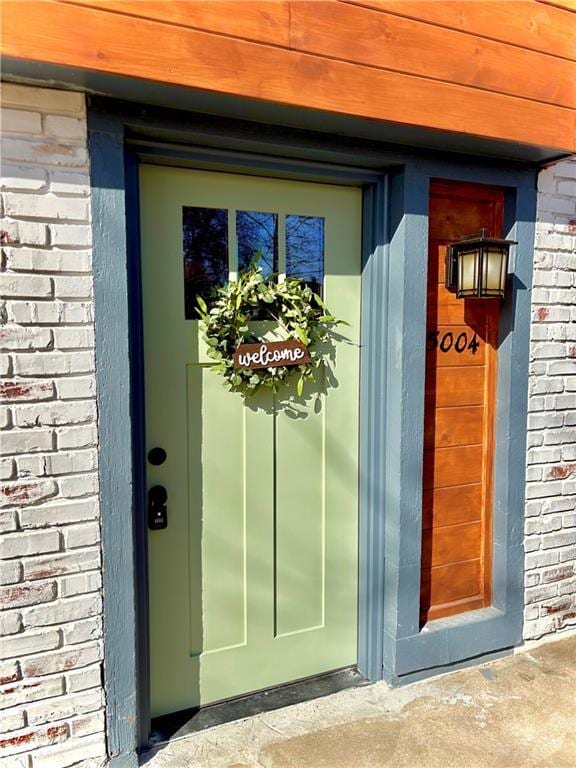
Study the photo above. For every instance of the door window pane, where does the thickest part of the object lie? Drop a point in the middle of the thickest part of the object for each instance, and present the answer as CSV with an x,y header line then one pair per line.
x,y
305,250
257,233
205,233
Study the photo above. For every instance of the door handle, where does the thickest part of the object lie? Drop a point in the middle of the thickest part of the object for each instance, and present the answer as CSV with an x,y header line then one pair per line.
x,y
157,510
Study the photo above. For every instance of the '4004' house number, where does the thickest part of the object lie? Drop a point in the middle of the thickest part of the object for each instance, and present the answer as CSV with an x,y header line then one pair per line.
x,y
460,343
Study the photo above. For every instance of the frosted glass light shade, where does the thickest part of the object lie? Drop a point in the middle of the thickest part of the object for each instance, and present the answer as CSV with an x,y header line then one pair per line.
x,y
477,267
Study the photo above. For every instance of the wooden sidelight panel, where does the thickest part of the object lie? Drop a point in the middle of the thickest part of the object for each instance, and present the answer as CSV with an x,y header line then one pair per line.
x,y
461,358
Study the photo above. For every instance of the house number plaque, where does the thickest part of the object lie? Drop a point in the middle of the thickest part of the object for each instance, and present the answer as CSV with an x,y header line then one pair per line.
x,y
271,354
460,342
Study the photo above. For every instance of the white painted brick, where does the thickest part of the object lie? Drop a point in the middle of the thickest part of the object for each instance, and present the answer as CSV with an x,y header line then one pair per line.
x,y
8,521
82,631
61,660
21,493
76,387
567,555
77,486
64,127
80,584
33,312
46,152
62,563
77,752
69,182
19,595
28,260
9,672
12,720
27,739
61,512
84,725
45,100
64,707
75,312
550,541
76,437
26,441
70,462
77,287
61,611
6,365
22,177
30,543
10,572
77,235
25,286
27,643
46,207
10,624
17,391
20,121
557,505
18,337
5,417
7,469
74,338
81,680
58,363
31,690
49,312
81,535
31,465
24,232
55,413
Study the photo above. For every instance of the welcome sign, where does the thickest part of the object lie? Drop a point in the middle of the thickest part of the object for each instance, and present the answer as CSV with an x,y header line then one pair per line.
x,y
271,354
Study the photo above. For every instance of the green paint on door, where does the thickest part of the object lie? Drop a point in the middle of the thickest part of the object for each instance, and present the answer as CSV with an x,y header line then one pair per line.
x,y
254,581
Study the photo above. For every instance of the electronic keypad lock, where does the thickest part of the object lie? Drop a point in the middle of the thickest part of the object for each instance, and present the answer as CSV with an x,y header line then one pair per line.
x,y
157,511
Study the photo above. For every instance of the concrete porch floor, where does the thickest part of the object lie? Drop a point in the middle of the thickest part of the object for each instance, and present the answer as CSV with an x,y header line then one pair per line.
x,y
517,712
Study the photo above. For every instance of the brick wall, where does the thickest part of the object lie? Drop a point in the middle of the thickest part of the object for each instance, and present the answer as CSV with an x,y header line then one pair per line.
x,y
50,674
551,463
51,696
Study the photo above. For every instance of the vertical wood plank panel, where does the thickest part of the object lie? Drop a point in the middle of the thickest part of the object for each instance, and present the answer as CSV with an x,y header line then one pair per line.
x,y
458,448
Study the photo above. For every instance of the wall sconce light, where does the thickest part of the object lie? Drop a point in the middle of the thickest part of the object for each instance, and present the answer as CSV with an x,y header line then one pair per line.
x,y
477,266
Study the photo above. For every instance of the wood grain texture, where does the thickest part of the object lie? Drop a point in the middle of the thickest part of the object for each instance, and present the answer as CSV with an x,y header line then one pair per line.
x,y
568,5
445,389
451,506
260,20
525,23
454,426
459,414
111,42
451,544
406,45
452,583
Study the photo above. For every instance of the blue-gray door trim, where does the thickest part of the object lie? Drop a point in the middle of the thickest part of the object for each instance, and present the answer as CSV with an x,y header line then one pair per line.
x,y
395,245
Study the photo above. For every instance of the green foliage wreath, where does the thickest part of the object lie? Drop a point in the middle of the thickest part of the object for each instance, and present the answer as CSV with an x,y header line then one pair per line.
x,y
298,312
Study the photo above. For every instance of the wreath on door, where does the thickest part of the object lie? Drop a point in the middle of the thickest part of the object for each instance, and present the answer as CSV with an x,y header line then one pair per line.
x,y
298,312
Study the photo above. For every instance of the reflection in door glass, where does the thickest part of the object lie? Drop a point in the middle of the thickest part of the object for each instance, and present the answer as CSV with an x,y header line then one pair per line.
x,y
305,250
205,254
257,233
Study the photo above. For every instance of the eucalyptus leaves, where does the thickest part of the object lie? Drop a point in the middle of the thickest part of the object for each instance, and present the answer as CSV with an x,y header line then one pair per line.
x,y
297,312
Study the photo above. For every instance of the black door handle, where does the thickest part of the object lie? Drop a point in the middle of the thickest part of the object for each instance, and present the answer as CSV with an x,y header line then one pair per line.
x,y
157,510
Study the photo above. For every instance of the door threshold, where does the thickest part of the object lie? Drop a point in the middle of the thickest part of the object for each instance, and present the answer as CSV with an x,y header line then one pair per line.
x,y
178,725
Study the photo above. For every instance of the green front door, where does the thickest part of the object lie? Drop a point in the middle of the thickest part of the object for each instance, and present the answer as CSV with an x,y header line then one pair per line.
x,y
254,581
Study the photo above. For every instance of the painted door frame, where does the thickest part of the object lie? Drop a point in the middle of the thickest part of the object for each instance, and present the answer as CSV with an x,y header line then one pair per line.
x,y
391,645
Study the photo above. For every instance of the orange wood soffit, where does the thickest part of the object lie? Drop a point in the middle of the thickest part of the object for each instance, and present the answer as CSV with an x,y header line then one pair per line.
x,y
41,30
525,23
